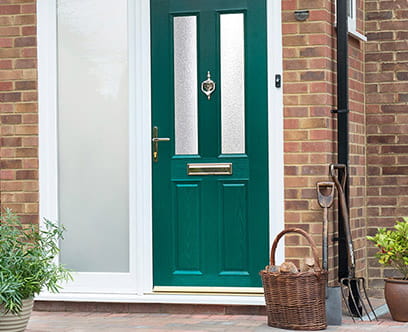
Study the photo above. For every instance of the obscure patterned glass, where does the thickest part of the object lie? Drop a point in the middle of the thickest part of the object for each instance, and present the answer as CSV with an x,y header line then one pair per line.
x,y
185,84
93,134
232,83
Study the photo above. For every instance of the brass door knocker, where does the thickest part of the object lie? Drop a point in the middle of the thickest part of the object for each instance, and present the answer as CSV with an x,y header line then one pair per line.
x,y
208,86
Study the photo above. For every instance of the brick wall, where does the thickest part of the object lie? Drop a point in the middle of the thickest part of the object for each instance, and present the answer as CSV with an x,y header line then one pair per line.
x,y
309,95
18,108
387,120
309,51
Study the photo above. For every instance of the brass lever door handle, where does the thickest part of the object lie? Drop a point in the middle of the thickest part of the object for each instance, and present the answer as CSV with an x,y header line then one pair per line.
x,y
156,141
160,139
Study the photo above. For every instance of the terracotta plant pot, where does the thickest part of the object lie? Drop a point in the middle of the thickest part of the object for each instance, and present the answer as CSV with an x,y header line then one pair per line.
x,y
396,296
16,323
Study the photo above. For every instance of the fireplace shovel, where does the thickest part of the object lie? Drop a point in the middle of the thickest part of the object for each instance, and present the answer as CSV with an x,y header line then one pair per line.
x,y
325,197
352,288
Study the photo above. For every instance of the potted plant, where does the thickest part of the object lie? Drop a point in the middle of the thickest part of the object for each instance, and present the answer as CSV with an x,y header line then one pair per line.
x,y
27,265
393,251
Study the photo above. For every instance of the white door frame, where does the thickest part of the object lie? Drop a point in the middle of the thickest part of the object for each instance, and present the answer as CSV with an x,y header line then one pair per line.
x,y
137,285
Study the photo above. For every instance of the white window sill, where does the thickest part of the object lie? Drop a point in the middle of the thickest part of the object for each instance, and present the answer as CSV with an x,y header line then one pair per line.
x,y
357,35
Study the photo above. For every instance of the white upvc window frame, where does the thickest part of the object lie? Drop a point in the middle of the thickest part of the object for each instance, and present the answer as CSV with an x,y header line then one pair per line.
x,y
352,20
352,15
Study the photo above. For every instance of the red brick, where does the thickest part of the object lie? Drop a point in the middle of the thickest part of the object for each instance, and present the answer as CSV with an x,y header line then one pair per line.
x,y
290,28
402,76
315,51
294,64
386,139
25,19
29,96
25,63
27,175
6,64
28,9
9,31
291,147
10,164
31,163
10,141
380,119
10,97
397,170
289,5
6,86
394,25
382,15
27,130
30,141
383,56
296,135
25,41
6,174
295,88
394,46
9,9
320,15
394,108
11,119
313,123
297,40
11,186
314,170
296,112
6,42
316,147
402,56
296,205
26,152
312,76
26,108
403,97
322,135
29,52
291,170
26,85
29,30
30,119
383,35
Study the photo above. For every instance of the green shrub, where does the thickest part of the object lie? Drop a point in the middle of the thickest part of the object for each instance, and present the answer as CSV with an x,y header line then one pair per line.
x,y
27,260
393,246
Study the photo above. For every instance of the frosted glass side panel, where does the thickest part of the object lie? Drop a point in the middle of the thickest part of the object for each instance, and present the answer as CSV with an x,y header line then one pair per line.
x,y
93,134
185,84
232,83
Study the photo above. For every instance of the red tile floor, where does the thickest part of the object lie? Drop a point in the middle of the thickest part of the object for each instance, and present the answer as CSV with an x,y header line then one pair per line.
x,y
121,322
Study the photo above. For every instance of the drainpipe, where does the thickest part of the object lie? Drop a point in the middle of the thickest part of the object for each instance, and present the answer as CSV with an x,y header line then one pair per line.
x,y
343,142
342,120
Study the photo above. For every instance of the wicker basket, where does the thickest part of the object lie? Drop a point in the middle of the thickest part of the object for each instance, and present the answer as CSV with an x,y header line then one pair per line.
x,y
295,300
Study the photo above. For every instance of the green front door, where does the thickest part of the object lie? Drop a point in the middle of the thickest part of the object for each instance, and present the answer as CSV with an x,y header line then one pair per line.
x,y
210,179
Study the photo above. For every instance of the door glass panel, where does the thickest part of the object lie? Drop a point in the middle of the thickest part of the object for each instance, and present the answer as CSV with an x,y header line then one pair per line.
x,y
232,83
93,134
185,84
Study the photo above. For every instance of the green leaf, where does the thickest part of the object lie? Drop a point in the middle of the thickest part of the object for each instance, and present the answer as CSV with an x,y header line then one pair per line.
x,y
27,260
393,245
